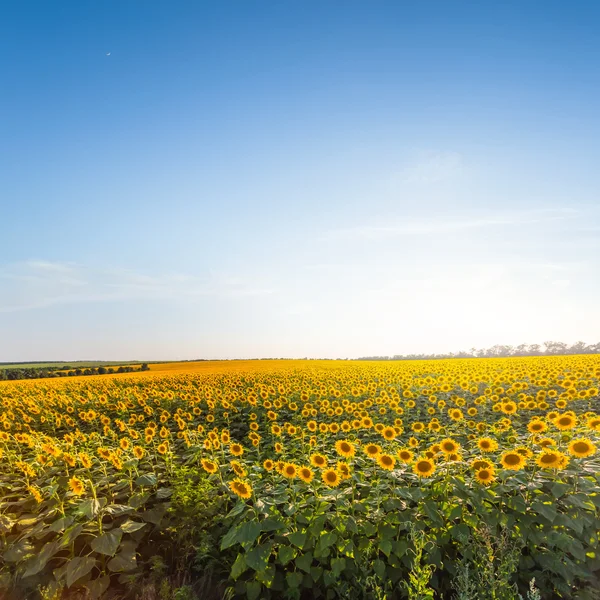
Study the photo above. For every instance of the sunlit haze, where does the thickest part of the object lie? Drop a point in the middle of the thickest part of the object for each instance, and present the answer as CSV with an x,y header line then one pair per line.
x,y
296,179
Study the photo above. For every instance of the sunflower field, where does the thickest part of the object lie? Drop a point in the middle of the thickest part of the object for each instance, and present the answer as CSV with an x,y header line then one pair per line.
x,y
443,479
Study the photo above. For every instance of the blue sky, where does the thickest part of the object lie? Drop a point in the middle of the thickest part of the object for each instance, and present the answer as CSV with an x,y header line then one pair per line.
x,y
325,179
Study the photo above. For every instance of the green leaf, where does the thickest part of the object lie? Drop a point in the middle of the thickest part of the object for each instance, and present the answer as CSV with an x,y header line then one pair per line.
x,y
546,510
154,515
266,576
131,526
35,564
89,508
368,528
379,567
253,590
559,489
294,579
61,524
385,546
258,557
272,525
338,565
239,566
286,553
98,586
118,509
147,479
248,532
237,510
327,539
78,567
126,559
230,538
304,561
108,542
298,538
164,493
138,500
17,551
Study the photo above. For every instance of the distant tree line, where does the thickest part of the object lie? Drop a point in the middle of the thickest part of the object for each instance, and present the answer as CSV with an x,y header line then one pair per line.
x,y
64,371
499,350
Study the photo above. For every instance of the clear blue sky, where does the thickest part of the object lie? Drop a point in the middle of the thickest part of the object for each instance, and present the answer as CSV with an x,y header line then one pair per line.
x,y
336,179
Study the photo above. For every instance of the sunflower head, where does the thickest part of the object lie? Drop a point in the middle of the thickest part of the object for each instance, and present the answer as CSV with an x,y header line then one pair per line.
x,y
424,467
485,475
331,477
487,444
372,450
306,474
210,466
513,461
581,448
77,486
240,488
290,471
345,448
406,456
549,459
318,460
449,446
386,461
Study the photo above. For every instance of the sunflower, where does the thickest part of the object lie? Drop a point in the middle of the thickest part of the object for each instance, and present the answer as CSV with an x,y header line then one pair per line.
x,y
318,460
424,467
162,448
406,456
454,457
413,442
331,478
345,448
487,444
513,461
372,450
209,466
582,447
594,423
77,486
268,464
343,468
290,471
386,461
241,488
537,426
138,452
238,469
508,408
549,459
481,463
565,422
236,449
306,474
449,446
389,433
85,460
485,476
35,492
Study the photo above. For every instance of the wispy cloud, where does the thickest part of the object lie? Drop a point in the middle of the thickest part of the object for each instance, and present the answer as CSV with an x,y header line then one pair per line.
x,y
432,167
416,227
37,284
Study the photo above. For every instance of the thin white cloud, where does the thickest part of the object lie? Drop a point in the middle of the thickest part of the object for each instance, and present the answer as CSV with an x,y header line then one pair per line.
x,y
435,226
432,167
38,284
